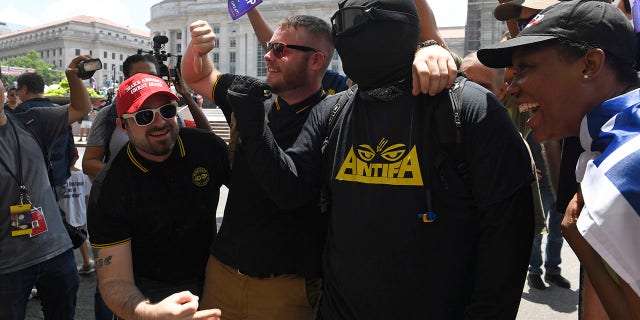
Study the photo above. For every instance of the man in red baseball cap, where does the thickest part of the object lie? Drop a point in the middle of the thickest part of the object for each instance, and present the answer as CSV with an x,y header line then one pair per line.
x,y
152,208
134,100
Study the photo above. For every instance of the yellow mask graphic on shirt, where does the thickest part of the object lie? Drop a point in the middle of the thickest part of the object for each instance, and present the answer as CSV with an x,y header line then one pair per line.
x,y
391,165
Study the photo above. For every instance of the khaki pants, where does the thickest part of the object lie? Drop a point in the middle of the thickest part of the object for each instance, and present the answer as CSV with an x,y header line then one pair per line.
x,y
240,297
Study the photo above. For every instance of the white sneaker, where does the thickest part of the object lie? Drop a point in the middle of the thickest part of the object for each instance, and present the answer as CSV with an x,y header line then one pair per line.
x,y
33,294
87,269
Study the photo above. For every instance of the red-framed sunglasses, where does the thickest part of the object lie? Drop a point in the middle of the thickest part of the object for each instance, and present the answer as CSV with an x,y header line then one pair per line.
x,y
280,48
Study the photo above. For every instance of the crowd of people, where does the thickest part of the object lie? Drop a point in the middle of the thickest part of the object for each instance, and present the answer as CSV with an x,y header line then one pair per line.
x,y
417,185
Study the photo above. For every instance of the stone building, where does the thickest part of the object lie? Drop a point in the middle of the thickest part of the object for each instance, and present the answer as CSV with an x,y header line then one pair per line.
x,y
237,48
482,28
59,42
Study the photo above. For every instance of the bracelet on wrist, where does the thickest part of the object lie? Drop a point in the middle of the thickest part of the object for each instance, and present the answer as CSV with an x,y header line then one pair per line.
x,y
428,43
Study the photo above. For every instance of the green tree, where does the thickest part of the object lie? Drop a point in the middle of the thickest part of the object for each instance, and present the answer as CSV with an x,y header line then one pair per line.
x,y
32,60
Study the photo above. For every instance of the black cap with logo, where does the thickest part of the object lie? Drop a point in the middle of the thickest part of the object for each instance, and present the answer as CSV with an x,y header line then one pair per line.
x,y
595,22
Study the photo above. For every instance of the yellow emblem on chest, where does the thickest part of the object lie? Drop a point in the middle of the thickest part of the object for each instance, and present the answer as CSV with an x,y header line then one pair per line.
x,y
200,176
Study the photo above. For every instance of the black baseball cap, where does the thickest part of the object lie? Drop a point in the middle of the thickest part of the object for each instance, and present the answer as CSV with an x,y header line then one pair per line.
x,y
511,9
597,23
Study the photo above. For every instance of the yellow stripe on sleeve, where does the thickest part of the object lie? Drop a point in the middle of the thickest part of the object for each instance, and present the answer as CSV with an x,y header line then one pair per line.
x,y
109,245
213,89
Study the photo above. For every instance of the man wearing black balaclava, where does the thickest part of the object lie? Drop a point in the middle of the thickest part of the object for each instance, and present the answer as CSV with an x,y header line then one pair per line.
x,y
384,166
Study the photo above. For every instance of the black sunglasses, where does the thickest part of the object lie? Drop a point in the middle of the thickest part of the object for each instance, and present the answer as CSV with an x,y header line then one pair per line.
x,y
145,117
350,19
279,48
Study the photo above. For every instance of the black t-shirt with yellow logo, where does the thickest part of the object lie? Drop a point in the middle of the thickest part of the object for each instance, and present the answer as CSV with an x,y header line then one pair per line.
x,y
381,260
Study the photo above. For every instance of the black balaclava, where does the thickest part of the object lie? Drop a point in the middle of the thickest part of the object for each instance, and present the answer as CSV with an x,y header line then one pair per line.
x,y
380,53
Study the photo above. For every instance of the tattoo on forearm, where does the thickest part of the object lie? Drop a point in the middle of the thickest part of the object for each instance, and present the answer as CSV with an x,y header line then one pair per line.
x,y
103,262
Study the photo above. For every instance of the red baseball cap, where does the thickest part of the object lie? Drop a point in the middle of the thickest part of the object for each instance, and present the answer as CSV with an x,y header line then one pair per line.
x,y
135,90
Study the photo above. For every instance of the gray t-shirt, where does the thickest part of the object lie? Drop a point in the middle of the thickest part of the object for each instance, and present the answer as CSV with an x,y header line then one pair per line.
x,y
99,133
20,252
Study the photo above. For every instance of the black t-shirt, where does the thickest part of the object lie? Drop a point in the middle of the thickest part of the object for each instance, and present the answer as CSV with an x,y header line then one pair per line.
x,y
256,236
166,210
381,260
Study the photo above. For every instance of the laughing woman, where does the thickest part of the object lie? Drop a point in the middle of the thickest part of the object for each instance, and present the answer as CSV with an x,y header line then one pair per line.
x,y
575,72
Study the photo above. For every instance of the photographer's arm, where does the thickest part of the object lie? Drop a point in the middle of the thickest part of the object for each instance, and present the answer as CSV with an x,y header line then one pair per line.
x,y
80,101
197,68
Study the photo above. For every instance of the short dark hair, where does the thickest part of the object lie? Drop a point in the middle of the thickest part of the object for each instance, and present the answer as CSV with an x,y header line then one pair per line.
x,y
126,65
33,82
314,26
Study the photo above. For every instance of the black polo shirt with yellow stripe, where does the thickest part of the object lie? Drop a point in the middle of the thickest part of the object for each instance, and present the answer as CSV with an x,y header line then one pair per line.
x,y
256,236
165,210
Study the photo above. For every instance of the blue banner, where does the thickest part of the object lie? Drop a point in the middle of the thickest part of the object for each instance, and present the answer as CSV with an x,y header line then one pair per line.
x,y
237,8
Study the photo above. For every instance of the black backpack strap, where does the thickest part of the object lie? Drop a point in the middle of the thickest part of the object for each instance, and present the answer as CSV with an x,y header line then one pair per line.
x,y
458,150
333,117
444,134
335,113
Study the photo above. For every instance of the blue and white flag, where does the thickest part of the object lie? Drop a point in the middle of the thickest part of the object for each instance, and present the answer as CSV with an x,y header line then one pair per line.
x,y
610,219
237,8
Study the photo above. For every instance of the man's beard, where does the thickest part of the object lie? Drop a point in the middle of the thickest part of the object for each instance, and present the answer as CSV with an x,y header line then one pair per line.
x,y
292,79
157,148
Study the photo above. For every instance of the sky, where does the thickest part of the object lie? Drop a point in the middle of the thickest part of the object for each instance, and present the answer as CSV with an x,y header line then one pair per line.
x,y
136,13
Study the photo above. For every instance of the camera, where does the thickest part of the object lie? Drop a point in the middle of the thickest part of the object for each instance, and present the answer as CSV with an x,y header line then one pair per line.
x,y
86,68
165,71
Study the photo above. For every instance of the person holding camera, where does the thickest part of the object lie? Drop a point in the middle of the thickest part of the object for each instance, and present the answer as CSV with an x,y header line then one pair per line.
x,y
35,248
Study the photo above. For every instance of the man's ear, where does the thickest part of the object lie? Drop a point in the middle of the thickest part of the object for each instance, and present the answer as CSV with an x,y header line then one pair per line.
x,y
317,61
122,124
